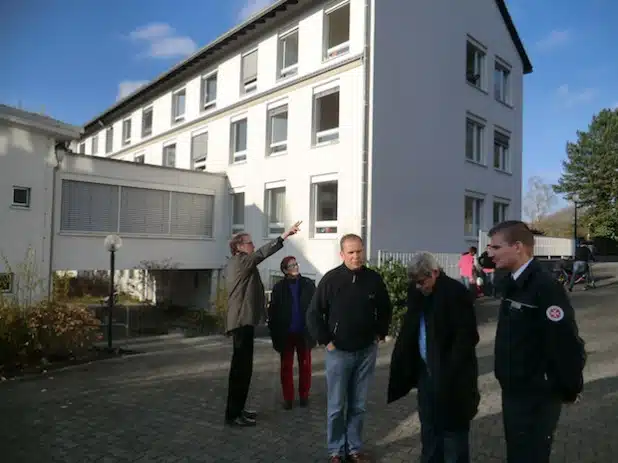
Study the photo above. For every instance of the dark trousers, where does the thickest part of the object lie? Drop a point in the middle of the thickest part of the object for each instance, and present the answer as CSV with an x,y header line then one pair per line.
x,y
439,445
241,370
529,425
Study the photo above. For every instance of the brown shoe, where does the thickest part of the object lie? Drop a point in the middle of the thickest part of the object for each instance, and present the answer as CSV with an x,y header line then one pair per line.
x,y
359,458
335,459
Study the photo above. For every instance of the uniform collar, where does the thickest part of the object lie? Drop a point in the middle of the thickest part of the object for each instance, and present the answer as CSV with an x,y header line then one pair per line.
x,y
515,275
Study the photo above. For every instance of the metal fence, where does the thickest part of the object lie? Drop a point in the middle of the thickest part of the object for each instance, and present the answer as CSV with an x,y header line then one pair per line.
x,y
448,261
544,247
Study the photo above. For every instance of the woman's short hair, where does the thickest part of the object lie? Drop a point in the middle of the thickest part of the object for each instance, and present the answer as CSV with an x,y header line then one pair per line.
x,y
285,261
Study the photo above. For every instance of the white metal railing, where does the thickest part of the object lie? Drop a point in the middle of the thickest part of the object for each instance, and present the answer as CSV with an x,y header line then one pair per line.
x,y
544,246
448,261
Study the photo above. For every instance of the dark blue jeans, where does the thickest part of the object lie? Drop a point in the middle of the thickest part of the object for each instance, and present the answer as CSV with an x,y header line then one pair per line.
x,y
348,375
439,446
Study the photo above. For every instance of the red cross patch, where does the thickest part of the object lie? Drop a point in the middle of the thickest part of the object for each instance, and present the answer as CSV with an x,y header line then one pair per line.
x,y
554,313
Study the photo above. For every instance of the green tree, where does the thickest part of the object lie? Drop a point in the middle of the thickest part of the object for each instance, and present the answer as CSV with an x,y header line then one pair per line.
x,y
395,276
590,173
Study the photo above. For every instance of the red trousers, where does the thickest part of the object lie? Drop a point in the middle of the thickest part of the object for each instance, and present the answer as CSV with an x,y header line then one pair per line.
x,y
295,342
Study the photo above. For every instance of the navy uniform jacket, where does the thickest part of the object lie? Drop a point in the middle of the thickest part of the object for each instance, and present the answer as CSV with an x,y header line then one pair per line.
x,y
538,348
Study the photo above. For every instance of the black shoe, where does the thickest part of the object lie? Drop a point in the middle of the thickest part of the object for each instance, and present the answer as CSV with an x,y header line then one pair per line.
x,y
249,414
304,402
287,405
240,422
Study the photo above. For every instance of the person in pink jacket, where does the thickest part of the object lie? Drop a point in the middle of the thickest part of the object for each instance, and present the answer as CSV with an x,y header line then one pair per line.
x,y
467,265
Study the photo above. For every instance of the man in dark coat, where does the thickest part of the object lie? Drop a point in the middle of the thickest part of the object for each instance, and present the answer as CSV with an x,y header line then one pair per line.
x,y
435,352
246,306
289,301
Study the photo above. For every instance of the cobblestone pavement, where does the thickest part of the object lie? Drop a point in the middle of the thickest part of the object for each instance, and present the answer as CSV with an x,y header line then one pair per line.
x,y
167,406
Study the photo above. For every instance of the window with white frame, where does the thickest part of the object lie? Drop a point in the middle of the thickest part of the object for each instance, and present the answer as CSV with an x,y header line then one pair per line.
x,y
326,116
337,30
169,155
147,122
475,131
249,74
82,148
139,159
95,144
324,206
21,196
109,140
473,215
501,211
209,91
502,158
179,105
238,211
274,209
287,59
126,131
239,140
199,151
6,282
278,129
475,65
502,81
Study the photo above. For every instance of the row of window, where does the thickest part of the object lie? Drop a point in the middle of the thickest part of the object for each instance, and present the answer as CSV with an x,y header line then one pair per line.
x,y
336,42
473,214
325,130
477,75
476,142
324,213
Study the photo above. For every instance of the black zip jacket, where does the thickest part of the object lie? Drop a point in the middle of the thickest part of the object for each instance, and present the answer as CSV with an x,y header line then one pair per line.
x,y
538,348
350,308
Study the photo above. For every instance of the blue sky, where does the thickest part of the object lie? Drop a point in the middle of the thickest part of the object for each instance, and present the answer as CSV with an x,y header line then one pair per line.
x,y
71,60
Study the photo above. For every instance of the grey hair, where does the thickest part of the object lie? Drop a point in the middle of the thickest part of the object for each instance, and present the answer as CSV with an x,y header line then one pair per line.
x,y
422,265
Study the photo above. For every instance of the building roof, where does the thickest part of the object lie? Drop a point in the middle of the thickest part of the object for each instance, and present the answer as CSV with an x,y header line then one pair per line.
x,y
234,38
53,127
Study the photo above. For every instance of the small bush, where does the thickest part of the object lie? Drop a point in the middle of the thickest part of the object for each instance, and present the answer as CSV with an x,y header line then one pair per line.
x,y
45,331
395,276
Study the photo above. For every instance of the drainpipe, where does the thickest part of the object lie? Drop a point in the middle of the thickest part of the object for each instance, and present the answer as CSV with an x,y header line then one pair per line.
x,y
52,221
365,233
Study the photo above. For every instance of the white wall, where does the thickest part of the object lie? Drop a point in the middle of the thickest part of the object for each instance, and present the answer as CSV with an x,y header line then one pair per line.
x,y
311,28
25,161
80,250
419,174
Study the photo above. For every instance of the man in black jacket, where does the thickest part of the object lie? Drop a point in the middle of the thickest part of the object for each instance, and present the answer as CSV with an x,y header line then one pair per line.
x,y
289,301
349,314
436,353
539,356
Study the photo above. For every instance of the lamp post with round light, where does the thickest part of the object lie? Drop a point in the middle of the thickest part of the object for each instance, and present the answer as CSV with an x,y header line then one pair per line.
x,y
112,244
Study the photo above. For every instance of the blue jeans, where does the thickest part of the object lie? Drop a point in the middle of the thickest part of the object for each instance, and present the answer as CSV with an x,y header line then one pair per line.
x,y
347,380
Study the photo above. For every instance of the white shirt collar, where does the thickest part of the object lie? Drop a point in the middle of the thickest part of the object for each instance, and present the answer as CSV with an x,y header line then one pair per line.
x,y
521,269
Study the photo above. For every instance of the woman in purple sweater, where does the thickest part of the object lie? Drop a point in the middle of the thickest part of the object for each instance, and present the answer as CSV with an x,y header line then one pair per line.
x,y
289,302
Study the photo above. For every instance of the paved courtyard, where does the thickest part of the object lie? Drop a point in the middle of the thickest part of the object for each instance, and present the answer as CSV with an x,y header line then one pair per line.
x,y
167,406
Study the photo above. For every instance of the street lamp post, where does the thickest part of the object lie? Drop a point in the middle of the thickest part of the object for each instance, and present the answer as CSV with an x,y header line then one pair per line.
x,y
112,244
575,207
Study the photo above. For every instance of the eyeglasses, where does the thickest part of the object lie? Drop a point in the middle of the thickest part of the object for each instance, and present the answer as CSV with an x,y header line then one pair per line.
x,y
291,266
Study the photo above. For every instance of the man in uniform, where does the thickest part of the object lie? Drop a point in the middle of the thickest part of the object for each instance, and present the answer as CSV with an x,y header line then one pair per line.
x,y
539,356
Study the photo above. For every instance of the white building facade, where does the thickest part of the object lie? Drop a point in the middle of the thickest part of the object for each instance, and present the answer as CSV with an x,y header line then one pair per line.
x,y
27,177
387,119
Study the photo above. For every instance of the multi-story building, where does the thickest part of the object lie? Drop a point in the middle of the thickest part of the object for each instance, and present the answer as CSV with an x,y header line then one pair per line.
x,y
400,121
